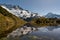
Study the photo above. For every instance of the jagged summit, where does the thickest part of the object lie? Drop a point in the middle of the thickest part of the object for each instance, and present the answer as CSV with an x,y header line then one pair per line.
x,y
51,15
11,6
18,11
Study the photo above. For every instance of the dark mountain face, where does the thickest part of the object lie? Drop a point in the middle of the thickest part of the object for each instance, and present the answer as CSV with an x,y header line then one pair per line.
x,y
51,15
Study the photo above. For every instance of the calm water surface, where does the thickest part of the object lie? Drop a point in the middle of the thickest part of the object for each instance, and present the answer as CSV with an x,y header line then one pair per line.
x,y
43,33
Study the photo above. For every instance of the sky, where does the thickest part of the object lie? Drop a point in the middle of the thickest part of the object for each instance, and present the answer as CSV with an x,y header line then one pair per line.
x,y
42,7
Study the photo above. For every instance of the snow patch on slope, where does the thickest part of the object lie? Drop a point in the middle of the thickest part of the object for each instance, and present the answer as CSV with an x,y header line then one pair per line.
x,y
19,12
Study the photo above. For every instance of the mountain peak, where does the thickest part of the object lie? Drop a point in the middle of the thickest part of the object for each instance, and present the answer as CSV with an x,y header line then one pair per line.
x,y
51,15
18,11
12,6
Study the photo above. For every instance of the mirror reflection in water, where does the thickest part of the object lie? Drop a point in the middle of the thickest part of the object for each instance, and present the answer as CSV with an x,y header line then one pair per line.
x,y
29,32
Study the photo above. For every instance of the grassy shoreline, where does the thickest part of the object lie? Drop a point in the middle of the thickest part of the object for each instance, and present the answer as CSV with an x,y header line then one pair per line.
x,y
8,22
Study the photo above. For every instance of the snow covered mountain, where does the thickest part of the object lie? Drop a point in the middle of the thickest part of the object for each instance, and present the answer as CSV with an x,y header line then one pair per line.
x,y
18,11
51,15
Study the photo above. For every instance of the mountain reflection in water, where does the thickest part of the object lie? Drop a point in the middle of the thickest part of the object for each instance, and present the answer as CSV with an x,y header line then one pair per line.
x,y
22,31
32,33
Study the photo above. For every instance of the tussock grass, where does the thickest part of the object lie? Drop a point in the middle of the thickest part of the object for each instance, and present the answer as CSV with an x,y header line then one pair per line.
x,y
8,22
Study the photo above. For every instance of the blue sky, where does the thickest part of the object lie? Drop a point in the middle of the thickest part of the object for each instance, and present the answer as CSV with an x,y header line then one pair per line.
x,y
38,6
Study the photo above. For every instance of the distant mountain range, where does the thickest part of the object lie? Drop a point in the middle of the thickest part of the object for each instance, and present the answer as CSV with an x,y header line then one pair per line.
x,y
11,18
51,15
18,11
25,14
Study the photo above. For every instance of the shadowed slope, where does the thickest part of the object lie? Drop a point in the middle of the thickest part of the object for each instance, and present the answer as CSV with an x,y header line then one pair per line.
x,y
8,22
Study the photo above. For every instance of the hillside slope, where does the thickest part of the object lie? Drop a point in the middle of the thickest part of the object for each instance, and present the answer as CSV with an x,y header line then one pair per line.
x,y
8,22
19,12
